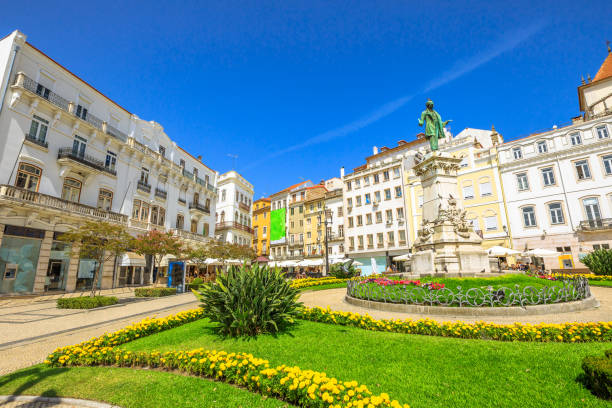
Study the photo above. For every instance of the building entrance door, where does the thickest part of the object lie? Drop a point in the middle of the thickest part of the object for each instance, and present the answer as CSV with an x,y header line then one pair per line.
x,y
56,278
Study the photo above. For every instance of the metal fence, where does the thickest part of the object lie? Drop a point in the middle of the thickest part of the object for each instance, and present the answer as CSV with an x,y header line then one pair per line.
x,y
569,290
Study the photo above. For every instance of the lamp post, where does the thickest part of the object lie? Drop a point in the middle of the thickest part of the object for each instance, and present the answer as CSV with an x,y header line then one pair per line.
x,y
327,219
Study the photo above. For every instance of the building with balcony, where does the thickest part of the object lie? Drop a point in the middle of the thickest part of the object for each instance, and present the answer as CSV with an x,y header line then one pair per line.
x,y
71,154
261,226
558,183
335,216
234,209
314,221
295,224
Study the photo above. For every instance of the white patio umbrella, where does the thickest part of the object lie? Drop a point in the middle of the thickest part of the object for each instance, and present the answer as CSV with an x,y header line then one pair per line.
x,y
334,261
540,252
287,264
405,257
233,262
357,263
274,264
499,251
212,261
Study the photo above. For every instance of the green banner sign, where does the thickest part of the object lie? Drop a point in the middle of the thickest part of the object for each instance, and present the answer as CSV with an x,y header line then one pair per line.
x,y
277,224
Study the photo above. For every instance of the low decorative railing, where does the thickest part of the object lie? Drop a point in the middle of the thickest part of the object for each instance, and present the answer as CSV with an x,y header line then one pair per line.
x,y
569,290
144,186
596,225
198,206
244,207
161,193
70,153
36,140
31,197
116,133
188,235
230,224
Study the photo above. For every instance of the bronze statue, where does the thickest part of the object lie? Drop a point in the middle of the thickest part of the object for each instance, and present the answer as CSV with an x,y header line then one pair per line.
x,y
434,127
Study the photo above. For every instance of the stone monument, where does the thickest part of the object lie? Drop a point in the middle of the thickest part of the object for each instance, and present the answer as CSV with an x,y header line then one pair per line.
x,y
446,242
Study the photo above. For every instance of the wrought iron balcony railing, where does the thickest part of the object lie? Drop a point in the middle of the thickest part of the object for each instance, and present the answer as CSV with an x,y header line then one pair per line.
x,y
24,196
144,186
161,193
244,207
230,224
87,160
34,139
200,207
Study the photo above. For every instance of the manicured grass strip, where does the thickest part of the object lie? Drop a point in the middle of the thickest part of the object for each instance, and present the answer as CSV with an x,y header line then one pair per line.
x,y
543,332
607,284
323,287
423,371
130,388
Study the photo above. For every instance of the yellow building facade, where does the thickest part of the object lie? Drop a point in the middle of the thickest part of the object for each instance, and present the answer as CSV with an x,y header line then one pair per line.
x,y
295,232
261,226
479,186
314,229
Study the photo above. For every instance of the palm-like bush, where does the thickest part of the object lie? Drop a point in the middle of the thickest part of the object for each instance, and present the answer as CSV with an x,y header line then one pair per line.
x,y
248,301
599,261
337,271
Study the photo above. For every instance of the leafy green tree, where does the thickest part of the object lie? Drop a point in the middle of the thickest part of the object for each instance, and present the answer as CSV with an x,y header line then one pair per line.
x,y
157,244
599,261
101,241
250,300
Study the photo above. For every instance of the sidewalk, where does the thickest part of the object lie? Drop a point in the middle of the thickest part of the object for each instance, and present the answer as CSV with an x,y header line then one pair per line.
x,y
29,331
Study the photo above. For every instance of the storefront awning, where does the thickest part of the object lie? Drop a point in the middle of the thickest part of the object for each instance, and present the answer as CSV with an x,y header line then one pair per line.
x,y
166,259
132,259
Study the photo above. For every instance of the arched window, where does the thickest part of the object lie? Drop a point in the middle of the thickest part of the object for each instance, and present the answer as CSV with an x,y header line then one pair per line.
x,y
28,177
105,199
71,190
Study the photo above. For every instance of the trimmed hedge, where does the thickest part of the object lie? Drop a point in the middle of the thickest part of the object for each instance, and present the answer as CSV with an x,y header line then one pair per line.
x,y
598,372
86,302
154,292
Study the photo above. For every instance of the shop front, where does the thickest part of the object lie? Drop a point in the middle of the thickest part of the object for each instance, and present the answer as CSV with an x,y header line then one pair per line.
x,y
57,270
19,253
131,270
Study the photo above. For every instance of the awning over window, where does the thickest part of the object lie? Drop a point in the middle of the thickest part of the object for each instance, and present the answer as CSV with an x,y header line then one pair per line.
x,y
132,259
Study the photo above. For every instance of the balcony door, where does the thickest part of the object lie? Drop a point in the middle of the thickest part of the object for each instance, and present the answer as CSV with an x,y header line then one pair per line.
x,y
71,190
591,209
78,146
194,226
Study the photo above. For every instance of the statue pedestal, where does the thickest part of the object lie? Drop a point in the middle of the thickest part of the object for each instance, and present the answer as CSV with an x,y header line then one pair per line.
x,y
446,242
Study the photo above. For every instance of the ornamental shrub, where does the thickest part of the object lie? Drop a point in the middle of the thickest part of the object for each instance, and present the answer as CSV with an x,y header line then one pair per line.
x,y
599,261
86,302
598,374
338,272
154,292
250,300
195,284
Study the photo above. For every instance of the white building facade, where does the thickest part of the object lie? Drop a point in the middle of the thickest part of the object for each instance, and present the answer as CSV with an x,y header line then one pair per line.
x,y
70,154
234,209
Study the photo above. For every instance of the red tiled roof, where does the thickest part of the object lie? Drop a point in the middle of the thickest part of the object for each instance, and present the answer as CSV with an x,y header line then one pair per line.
x,y
606,69
291,187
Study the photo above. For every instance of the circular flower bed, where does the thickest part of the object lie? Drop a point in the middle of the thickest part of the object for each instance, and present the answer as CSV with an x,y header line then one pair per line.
x,y
472,292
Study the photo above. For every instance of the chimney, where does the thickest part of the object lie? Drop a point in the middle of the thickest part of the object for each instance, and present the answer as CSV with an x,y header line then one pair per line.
x,y
342,172
375,150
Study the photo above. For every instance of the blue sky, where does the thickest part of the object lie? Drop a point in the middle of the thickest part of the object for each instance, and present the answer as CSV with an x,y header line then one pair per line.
x,y
298,89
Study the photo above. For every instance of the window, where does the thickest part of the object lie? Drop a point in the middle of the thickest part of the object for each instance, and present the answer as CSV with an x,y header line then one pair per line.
x,y
348,186
542,147
601,246
264,231
582,169
591,208
359,220
105,199
366,181
38,129
358,201
485,189
81,112
111,161
602,132
319,204
357,183
144,176
379,217
367,198
352,242
182,163
340,213
548,176
162,151
381,240
607,161
312,206
377,196
376,178
301,209
78,146
389,215
490,223
517,152
180,221
398,192
391,237
308,235
400,213
468,192
576,139
386,175
556,213
291,210
158,215
350,222
28,177
522,181
194,228
396,172
370,240
360,239
140,211
71,190
387,194
402,237
529,219
368,218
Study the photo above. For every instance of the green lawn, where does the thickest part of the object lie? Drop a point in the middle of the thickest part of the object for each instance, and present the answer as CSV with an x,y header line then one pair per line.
x,y
130,388
607,284
324,287
420,370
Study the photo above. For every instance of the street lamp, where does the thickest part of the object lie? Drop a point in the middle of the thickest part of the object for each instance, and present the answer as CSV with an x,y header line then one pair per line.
x,y
327,220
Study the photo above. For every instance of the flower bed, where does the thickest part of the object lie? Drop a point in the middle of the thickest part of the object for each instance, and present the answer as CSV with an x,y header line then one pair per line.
x,y
305,388
309,282
154,292
565,332
86,302
472,292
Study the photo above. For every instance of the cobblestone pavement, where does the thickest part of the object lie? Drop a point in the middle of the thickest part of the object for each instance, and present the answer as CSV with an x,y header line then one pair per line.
x,y
29,331
10,401
334,298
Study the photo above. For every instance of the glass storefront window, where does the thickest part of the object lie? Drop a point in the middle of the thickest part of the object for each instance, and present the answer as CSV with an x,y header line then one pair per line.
x,y
57,271
85,275
18,261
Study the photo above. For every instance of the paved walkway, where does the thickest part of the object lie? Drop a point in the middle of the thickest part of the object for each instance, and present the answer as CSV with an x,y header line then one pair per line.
x,y
334,298
29,331
24,401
